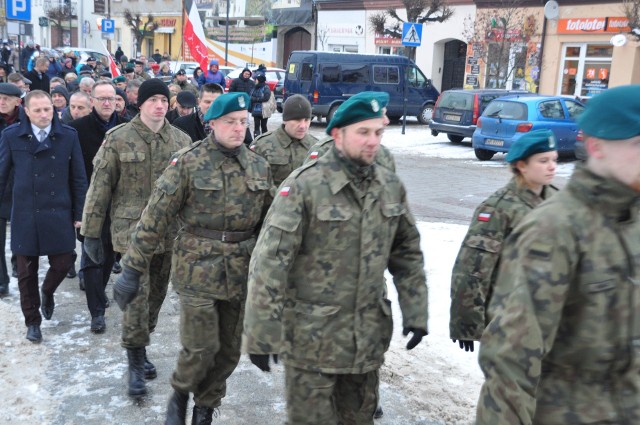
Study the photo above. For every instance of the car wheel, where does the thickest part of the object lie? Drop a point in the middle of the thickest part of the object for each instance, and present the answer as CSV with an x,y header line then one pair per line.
x,y
455,139
332,111
426,114
483,154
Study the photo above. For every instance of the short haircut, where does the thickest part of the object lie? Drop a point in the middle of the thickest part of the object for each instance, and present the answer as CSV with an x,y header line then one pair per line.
x,y
57,80
134,84
15,77
36,94
211,88
70,76
80,94
42,61
87,81
101,83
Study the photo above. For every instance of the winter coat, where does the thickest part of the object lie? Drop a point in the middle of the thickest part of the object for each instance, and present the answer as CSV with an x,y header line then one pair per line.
x,y
49,187
242,84
6,202
210,77
191,125
260,93
54,69
38,81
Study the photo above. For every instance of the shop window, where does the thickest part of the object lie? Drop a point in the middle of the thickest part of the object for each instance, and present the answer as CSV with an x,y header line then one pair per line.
x,y
585,69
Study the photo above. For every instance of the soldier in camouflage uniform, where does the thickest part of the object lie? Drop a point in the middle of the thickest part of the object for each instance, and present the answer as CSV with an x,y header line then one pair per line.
x,y
130,159
218,189
563,342
286,147
316,280
533,159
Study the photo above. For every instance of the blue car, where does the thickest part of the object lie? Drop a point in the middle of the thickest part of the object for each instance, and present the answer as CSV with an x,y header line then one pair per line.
x,y
508,118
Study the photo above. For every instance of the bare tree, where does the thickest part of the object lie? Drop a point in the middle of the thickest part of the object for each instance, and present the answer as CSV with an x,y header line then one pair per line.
x,y
631,10
498,38
323,36
418,11
57,15
139,29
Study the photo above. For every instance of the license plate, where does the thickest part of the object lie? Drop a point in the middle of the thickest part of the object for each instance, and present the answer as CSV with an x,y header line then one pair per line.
x,y
494,142
449,117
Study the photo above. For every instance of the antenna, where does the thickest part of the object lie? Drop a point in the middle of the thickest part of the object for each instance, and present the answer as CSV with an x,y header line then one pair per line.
x,y
551,10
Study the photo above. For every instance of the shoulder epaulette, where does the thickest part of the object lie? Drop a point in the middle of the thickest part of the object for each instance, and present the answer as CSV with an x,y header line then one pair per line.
x,y
114,129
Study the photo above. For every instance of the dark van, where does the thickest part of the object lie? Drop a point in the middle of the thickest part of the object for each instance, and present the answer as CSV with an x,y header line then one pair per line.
x,y
328,79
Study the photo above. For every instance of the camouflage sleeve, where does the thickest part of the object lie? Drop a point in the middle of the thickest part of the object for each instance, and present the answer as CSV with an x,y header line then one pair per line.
x,y
406,265
106,173
474,271
525,310
163,207
271,261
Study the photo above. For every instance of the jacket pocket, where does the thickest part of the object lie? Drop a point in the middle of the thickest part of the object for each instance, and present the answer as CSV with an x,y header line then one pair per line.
x,y
312,331
207,195
124,221
197,267
332,230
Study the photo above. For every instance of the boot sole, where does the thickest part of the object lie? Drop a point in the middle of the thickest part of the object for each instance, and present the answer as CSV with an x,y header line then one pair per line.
x,y
150,375
137,393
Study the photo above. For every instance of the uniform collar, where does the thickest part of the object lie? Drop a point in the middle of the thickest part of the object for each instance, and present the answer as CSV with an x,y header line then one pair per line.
x,y
242,156
526,195
145,132
285,140
341,175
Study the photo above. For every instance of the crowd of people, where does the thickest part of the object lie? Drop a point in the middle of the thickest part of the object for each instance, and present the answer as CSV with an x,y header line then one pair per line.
x,y
278,245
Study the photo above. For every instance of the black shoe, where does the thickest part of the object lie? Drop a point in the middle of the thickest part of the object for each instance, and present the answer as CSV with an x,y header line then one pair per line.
x,y
33,333
107,304
48,305
177,409
81,284
202,415
116,268
378,413
72,272
149,368
98,325
137,386
4,289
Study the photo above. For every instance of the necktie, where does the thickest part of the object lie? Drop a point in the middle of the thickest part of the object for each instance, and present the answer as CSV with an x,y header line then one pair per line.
x,y
42,135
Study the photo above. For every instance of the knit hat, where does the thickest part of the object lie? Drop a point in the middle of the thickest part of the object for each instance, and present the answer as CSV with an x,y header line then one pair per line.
x,y
61,90
150,88
122,94
261,78
296,107
123,58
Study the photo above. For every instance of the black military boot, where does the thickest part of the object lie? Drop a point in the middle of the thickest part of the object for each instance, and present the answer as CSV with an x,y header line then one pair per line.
x,y
4,289
137,386
149,369
177,409
202,416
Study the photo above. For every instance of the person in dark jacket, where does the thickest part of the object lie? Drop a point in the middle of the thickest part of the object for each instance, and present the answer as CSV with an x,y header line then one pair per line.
x,y
27,52
193,124
92,129
121,105
243,82
10,112
38,75
260,93
185,102
49,189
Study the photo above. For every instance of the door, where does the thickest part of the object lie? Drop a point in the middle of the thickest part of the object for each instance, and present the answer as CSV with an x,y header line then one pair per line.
x,y
455,52
295,39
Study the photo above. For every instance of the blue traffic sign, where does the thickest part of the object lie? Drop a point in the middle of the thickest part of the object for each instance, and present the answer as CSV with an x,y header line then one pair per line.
x,y
19,10
411,34
108,25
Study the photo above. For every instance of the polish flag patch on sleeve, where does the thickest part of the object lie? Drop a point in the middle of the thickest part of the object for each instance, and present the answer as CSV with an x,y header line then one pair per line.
x,y
313,155
252,147
174,161
285,191
484,216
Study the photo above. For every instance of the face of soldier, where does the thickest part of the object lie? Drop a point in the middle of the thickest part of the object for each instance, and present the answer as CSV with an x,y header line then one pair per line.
x,y
39,111
206,100
59,101
8,104
539,169
619,159
132,95
359,142
122,86
79,107
138,69
103,101
154,109
297,128
119,104
230,129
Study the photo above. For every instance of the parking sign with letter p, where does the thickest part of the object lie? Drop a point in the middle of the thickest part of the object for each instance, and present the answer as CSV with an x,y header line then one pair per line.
x,y
19,10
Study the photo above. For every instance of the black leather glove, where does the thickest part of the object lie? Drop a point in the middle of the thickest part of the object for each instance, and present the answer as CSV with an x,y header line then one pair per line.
x,y
465,345
126,287
262,361
418,334
93,247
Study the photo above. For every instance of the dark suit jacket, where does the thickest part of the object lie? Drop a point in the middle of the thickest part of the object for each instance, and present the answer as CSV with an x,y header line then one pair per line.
x,y
191,125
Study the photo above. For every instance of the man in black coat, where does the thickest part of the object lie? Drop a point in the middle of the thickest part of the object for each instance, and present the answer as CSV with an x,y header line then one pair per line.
x,y
185,102
49,189
38,75
91,130
243,83
10,111
193,124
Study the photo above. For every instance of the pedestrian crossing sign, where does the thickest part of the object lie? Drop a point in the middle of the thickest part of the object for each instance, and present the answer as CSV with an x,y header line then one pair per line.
x,y
411,34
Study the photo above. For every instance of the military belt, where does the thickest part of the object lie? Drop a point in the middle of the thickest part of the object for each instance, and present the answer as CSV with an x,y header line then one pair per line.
x,y
220,235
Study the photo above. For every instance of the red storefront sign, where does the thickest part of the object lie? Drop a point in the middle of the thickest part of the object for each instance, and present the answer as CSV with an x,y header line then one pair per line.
x,y
593,25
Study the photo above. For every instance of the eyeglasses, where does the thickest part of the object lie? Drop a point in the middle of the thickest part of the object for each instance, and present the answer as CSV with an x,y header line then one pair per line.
x,y
105,99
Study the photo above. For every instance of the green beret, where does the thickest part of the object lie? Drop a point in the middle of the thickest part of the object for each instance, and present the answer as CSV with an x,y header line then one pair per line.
x,y
227,103
613,114
119,79
363,106
536,141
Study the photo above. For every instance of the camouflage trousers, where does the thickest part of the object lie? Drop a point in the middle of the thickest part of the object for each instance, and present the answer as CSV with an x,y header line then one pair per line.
x,y
210,333
318,398
141,316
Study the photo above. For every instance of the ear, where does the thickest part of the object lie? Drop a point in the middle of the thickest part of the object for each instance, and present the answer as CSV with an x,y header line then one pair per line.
x,y
336,134
593,146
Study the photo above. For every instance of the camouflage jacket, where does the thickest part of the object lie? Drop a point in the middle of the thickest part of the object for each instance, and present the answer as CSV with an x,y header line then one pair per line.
x,y
283,152
205,189
476,266
383,157
563,342
127,164
316,278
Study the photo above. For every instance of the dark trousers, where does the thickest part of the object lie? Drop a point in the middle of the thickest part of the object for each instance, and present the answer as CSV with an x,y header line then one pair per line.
x,y
4,272
259,125
28,283
96,276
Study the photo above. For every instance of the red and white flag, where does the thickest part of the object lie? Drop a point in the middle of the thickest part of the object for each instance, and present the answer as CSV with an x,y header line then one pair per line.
x,y
113,68
194,35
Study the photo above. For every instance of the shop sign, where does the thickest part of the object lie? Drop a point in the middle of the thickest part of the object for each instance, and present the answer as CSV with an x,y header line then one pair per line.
x,y
475,69
387,41
472,60
472,80
593,25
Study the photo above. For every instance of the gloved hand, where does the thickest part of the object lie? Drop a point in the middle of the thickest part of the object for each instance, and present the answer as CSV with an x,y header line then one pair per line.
x,y
465,345
262,361
126,287
93,247
418,334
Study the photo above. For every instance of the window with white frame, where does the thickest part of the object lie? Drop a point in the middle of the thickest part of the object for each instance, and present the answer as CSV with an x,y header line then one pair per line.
x,y
585,69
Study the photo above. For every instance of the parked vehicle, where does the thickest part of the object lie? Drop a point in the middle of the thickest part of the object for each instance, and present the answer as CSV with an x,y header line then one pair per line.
x,y
273,76
506,119
457,111
83,54
327,79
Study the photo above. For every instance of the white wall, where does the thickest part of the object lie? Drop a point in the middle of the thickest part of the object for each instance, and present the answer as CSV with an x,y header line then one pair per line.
x,y
343,28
